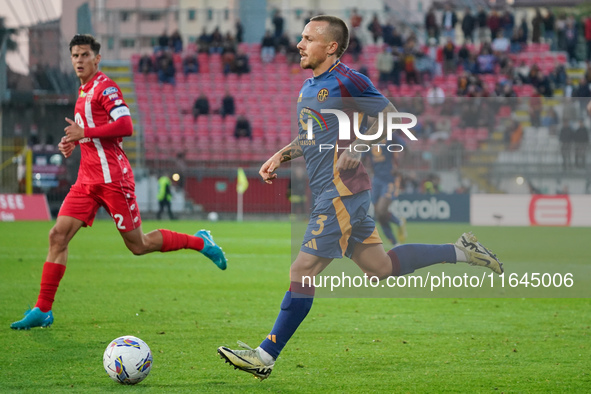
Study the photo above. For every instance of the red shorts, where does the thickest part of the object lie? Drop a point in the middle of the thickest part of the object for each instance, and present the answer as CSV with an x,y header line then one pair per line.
x,y
118,199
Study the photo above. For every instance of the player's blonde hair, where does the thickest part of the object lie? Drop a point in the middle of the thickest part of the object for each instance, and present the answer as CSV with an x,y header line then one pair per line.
x,y
338,31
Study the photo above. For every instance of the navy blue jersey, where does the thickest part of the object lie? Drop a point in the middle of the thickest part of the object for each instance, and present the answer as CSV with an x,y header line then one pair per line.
x,y
343,89
382,163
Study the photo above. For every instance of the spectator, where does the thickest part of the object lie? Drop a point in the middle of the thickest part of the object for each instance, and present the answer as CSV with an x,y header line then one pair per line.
x,y
482,24
283,44
409,61
228,54
163,42
241,63
500,44
431,24
268,48
513,135
190,64
516,44
387,33
435,95
228,107
385,66
571,38
537,23
449,57
166,70
549,33
201,106
508,23
448,23
356,20
558,76
566,142
468,25
494,24
375,28
560,27
486,61
550,119
242,129
146,65
581,142
239,31
587,31
463,55
203,42
354,47
523,32
508,91
396,39
535,109
278,24
217,41
176,42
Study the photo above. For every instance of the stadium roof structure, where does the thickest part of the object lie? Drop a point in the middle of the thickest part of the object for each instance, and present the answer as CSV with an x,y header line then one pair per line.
x,y
535,3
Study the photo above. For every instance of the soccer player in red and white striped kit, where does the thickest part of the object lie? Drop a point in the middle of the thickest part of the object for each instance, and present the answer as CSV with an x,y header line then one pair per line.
x,y
105,179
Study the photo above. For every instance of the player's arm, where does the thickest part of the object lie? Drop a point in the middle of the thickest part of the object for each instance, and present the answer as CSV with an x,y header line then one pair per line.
x,y
122,127
289,152
351,159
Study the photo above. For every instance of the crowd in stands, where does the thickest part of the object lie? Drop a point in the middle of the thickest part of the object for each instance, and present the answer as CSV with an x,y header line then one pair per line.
x,y
493,44
162,60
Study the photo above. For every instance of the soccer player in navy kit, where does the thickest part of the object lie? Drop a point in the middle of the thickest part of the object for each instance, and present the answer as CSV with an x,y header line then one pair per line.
x,y
339,225
385,188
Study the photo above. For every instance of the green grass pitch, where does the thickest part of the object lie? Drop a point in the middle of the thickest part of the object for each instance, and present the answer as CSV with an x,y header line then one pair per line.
x,y
184,308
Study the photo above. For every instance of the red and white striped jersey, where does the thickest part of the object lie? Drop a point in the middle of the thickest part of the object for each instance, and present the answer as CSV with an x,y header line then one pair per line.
x,y
100,102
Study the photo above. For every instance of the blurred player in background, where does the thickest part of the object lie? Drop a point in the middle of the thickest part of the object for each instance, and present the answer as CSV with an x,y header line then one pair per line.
x,y
385,187
105,179
339,225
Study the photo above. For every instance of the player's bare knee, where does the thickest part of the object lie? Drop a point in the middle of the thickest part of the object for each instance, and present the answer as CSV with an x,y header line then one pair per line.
x,y
58,239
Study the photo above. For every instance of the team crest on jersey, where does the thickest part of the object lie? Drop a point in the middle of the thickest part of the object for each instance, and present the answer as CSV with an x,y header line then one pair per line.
x,y
109,90
322,95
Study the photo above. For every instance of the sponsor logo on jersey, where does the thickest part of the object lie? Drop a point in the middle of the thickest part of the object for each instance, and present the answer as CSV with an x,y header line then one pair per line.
x,y
113,96
118,102
82,93
322,95
109,90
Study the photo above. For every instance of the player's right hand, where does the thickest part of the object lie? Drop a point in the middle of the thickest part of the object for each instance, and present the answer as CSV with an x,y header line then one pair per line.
x,y
267,171
66,147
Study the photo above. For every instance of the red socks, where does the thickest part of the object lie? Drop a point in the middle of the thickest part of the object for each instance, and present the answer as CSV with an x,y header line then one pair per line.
x,y
50,281
174,241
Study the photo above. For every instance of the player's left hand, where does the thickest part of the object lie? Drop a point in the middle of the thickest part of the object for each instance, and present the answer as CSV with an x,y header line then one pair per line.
x,y
73,132
348,160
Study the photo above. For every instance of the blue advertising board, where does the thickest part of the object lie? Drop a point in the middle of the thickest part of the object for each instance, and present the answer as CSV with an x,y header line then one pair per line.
x,y
432,207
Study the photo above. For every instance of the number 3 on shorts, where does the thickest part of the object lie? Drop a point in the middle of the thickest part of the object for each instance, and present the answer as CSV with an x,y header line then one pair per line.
x,y
119,220
320,222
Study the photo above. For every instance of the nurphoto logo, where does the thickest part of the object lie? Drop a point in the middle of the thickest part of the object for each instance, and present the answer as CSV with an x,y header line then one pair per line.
x,y
393,122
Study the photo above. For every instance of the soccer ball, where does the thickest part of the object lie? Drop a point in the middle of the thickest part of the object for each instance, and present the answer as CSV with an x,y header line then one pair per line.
x,y
213,216
127,360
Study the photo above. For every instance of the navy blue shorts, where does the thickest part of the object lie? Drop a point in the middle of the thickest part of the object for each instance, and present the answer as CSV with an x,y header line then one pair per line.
x,y
337,225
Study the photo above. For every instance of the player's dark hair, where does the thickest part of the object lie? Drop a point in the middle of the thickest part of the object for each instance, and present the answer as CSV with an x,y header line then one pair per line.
x,y
86,39
338,30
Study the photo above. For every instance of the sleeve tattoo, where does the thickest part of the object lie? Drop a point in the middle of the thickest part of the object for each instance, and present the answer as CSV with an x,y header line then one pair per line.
x,y
291,151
